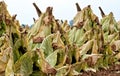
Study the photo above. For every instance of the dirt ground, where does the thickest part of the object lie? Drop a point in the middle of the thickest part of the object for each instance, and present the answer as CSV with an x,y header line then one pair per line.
x,y
114,70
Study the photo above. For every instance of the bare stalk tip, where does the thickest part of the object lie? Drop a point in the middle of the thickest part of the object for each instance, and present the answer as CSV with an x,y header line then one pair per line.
x,y
78,7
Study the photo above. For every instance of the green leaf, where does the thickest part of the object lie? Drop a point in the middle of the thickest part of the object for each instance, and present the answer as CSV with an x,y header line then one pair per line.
x,y
99,63
61,58
62,71
86,47
52,58
46,45
47,30
2,27
43,65
9,66
83,38
38,73
36,27
72,35
24,65
16,54
78,35
80,66
88,25
109,23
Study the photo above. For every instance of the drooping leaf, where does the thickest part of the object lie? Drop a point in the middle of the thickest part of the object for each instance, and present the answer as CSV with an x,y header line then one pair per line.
x,y
24,65
52,58
46,45
84,49
38,73
62,71
2,27
9,67
44,66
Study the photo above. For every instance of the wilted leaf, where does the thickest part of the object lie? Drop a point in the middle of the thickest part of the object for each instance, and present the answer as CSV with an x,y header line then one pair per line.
x,y
86,47
24,65
95,47
79,66
118,56
2,27
62,71
38,73
44,66
57,41
115,45
9,67
52,58
46,45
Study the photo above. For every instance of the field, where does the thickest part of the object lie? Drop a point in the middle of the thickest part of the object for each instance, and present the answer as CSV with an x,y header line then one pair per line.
x,y
89,46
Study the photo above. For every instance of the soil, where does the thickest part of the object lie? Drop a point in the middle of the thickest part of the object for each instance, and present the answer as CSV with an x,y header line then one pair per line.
x,y
114,70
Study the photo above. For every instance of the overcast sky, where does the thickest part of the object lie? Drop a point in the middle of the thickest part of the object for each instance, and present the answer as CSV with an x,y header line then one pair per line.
x,y
62,9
